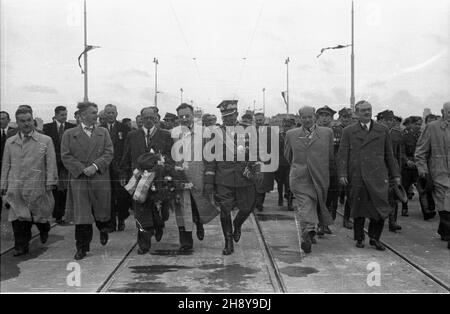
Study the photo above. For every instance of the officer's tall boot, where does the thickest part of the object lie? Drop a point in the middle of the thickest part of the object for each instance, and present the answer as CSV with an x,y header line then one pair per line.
x,y
393,226
227,229
237,224
186,241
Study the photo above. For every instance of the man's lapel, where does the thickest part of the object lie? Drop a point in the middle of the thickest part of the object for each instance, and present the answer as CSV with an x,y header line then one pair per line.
x,y
82,139
373,134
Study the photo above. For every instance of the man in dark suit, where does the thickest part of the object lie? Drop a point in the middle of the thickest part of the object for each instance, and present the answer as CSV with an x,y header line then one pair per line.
x,y
366,163
55,131
6,132
120,199
143,140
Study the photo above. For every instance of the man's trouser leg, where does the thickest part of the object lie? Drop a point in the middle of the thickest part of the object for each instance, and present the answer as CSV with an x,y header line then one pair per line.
x,y
376,228
22,234
226,199
60,203
333,196
245,198
358,228
83,236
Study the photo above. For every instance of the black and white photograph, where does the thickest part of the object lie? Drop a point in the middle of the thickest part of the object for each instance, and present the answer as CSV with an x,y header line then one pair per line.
x,y
225,155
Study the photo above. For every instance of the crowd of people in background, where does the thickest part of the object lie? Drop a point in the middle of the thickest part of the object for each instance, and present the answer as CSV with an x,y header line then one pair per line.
x,y
371,167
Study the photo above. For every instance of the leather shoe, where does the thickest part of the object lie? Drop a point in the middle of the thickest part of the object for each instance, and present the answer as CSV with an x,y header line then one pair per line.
x,y
103,237
80,254
158,234
44,237
142,251
394,227
20,252
185,249
306,243
200,232
121,225
360,244
429,215
405,212
377,244
320,231
229,248
327,230
347,224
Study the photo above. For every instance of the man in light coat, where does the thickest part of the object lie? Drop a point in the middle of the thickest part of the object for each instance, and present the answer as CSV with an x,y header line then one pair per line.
x,y
29,174
309,150
86,152
433,158
366,164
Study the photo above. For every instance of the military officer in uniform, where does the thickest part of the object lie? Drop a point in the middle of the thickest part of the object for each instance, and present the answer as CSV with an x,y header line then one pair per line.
x,y
233,186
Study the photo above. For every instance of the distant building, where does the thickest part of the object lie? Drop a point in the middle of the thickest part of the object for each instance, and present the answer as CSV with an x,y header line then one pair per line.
x,y
426,112
278,119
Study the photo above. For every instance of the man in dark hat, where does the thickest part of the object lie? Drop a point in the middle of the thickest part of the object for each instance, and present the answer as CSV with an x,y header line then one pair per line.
x,y
247,119
324,116
410,175
387,119
233,188
346,118
366,163
170,118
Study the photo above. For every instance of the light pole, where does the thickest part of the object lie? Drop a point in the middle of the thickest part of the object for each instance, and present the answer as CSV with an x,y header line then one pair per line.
x,y
181,95
287,84
264,100
86,99
155,61
352,87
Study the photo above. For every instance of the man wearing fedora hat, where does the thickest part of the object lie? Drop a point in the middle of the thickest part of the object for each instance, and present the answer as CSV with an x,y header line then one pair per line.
x,y
366,163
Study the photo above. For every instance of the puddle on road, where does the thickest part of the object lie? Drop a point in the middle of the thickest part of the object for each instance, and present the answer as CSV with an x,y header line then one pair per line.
x,y
271,217
286,254
10,264
214,277
298,271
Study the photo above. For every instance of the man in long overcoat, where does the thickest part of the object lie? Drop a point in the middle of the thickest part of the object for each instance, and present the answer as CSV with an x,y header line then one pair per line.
x,y
366,163
143,140
86,152
433,158
309,150
29,174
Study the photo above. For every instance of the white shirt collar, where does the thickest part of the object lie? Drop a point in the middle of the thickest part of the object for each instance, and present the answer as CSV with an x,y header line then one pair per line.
x,y
368,124
146,130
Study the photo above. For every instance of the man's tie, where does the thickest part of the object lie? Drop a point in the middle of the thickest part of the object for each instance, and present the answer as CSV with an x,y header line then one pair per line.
x,y
60,131
149,137
3,133
365,128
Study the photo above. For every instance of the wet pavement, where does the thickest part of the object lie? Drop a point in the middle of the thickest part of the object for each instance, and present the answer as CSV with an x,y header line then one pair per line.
x,y
335,265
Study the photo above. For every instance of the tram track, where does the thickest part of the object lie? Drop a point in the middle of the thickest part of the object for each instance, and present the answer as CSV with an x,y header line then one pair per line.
x,y
410,262
274,273
10,248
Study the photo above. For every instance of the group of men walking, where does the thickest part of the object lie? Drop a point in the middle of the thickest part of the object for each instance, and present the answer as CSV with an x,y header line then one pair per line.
x,y
82,173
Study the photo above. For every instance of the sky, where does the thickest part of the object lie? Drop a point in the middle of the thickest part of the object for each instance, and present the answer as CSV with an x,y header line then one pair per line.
x,y
216,50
